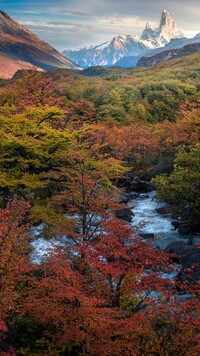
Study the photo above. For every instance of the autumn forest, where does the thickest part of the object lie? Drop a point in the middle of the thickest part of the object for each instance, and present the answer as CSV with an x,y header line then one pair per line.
x,y
74,145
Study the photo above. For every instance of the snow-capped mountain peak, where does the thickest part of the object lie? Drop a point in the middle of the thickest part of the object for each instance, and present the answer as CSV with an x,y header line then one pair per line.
x,y
148,33
168,28
127,45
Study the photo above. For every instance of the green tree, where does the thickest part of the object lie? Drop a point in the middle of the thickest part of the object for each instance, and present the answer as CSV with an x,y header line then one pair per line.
x,y
183,185
31,154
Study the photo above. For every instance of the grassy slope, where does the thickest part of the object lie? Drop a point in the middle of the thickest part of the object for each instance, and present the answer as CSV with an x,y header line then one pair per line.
x,y
180,69
160,90
9,66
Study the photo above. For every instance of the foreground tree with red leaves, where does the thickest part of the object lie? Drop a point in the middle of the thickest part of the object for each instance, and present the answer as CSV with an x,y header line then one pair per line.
x,y
88,193
108,297
14,262
105,296
36,89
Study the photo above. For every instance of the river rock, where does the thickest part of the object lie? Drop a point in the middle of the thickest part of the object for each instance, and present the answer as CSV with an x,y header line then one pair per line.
x,y
185,212
164,210
176,224
192,259
124,198
147,236
184,228
189,257
142,186
127,196
124,214
181,249
144,196
191,262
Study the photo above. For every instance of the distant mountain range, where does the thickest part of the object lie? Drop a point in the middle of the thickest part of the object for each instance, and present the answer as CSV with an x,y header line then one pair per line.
x,y
21,49
126,50
178,43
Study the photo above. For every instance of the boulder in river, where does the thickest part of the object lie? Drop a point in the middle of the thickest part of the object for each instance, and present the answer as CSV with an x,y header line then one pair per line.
x,y
124,214
175,223
164,210
192,259
147,236
142,186
189,257
181,249
184,228
126,197
190,268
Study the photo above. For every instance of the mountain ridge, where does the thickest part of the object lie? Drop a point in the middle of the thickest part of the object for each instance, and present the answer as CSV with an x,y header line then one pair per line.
x,y
127,45
175,43
17,43
166,55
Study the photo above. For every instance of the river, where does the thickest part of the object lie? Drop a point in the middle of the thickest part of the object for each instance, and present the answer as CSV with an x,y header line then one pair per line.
x,y
144,211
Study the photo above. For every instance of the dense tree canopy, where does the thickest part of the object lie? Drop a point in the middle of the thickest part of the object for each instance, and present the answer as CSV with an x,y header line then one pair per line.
x,y
68,143
182,187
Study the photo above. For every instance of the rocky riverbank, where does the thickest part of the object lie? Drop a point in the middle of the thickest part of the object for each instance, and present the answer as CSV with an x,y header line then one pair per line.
x,y
155,221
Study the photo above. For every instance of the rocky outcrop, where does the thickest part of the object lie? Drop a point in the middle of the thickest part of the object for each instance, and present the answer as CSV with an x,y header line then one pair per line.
x,y
167,30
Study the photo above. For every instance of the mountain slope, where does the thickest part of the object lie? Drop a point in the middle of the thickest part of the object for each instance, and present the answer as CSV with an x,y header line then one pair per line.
x,y
175,43
119,47
169,54
19,44
126,45
9,66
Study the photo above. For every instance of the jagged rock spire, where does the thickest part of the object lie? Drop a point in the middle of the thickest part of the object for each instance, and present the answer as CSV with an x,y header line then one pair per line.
x,y
148,32
167,30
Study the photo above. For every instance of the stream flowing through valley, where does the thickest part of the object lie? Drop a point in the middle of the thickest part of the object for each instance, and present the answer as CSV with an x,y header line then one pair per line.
x,y
146,220
145,211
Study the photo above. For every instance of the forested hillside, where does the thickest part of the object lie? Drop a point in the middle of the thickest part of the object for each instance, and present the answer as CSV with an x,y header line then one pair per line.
x,y
71,144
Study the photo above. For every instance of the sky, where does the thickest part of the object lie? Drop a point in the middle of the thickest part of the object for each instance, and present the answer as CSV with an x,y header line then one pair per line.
x,y
76,23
